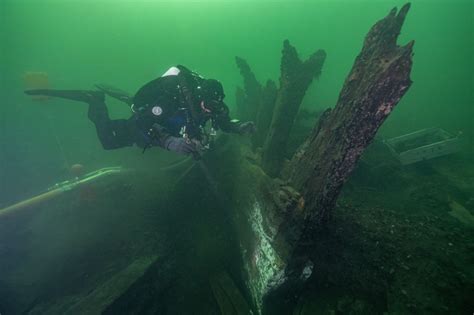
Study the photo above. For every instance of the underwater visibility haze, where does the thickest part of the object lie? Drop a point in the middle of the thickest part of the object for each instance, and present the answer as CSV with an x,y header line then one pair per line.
x,y
236,157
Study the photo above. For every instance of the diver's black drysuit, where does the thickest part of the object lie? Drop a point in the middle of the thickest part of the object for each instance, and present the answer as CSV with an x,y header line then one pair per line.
x,y
170,111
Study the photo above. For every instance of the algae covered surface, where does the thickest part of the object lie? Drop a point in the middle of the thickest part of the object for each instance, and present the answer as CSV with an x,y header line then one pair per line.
x,y
172,235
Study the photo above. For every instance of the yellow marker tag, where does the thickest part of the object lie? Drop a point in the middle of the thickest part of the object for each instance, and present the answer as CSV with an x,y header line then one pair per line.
x,y
36,80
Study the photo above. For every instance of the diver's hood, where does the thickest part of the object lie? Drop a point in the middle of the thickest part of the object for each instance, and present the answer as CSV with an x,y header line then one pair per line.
x,y
212,93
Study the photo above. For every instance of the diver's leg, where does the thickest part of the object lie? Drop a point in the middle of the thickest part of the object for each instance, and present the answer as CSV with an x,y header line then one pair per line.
x,y
116,93
112,134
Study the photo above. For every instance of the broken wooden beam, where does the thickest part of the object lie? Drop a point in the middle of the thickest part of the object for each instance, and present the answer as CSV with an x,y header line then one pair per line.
x,y
265,113
252,92
379,78
240,102
295,78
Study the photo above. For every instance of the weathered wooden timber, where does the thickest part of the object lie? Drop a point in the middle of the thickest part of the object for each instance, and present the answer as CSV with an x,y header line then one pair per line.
x,y
295,78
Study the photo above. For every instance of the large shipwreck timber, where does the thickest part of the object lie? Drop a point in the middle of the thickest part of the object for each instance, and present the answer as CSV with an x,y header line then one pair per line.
x,y
278,209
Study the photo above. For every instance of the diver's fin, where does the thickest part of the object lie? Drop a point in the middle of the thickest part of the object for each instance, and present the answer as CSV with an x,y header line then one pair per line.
x,y
116,93
75,95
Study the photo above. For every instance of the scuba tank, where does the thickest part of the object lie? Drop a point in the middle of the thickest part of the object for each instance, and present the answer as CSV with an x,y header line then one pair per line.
x,y
171,101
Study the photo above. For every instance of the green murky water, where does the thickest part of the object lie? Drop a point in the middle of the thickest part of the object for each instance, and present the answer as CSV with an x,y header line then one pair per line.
x,y
55,254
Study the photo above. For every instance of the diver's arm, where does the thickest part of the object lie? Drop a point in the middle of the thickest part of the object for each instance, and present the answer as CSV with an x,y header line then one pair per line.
x,y
226,124
160,137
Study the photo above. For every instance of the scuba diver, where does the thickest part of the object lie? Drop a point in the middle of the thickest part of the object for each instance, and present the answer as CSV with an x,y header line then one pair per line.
x,y
171,112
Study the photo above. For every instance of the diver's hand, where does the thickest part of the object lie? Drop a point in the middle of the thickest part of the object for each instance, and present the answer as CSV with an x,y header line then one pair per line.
x,y
180,145
247,127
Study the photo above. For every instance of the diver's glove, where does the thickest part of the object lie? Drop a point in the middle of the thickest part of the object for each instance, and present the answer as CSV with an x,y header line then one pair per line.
x,y
247,127
181,145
